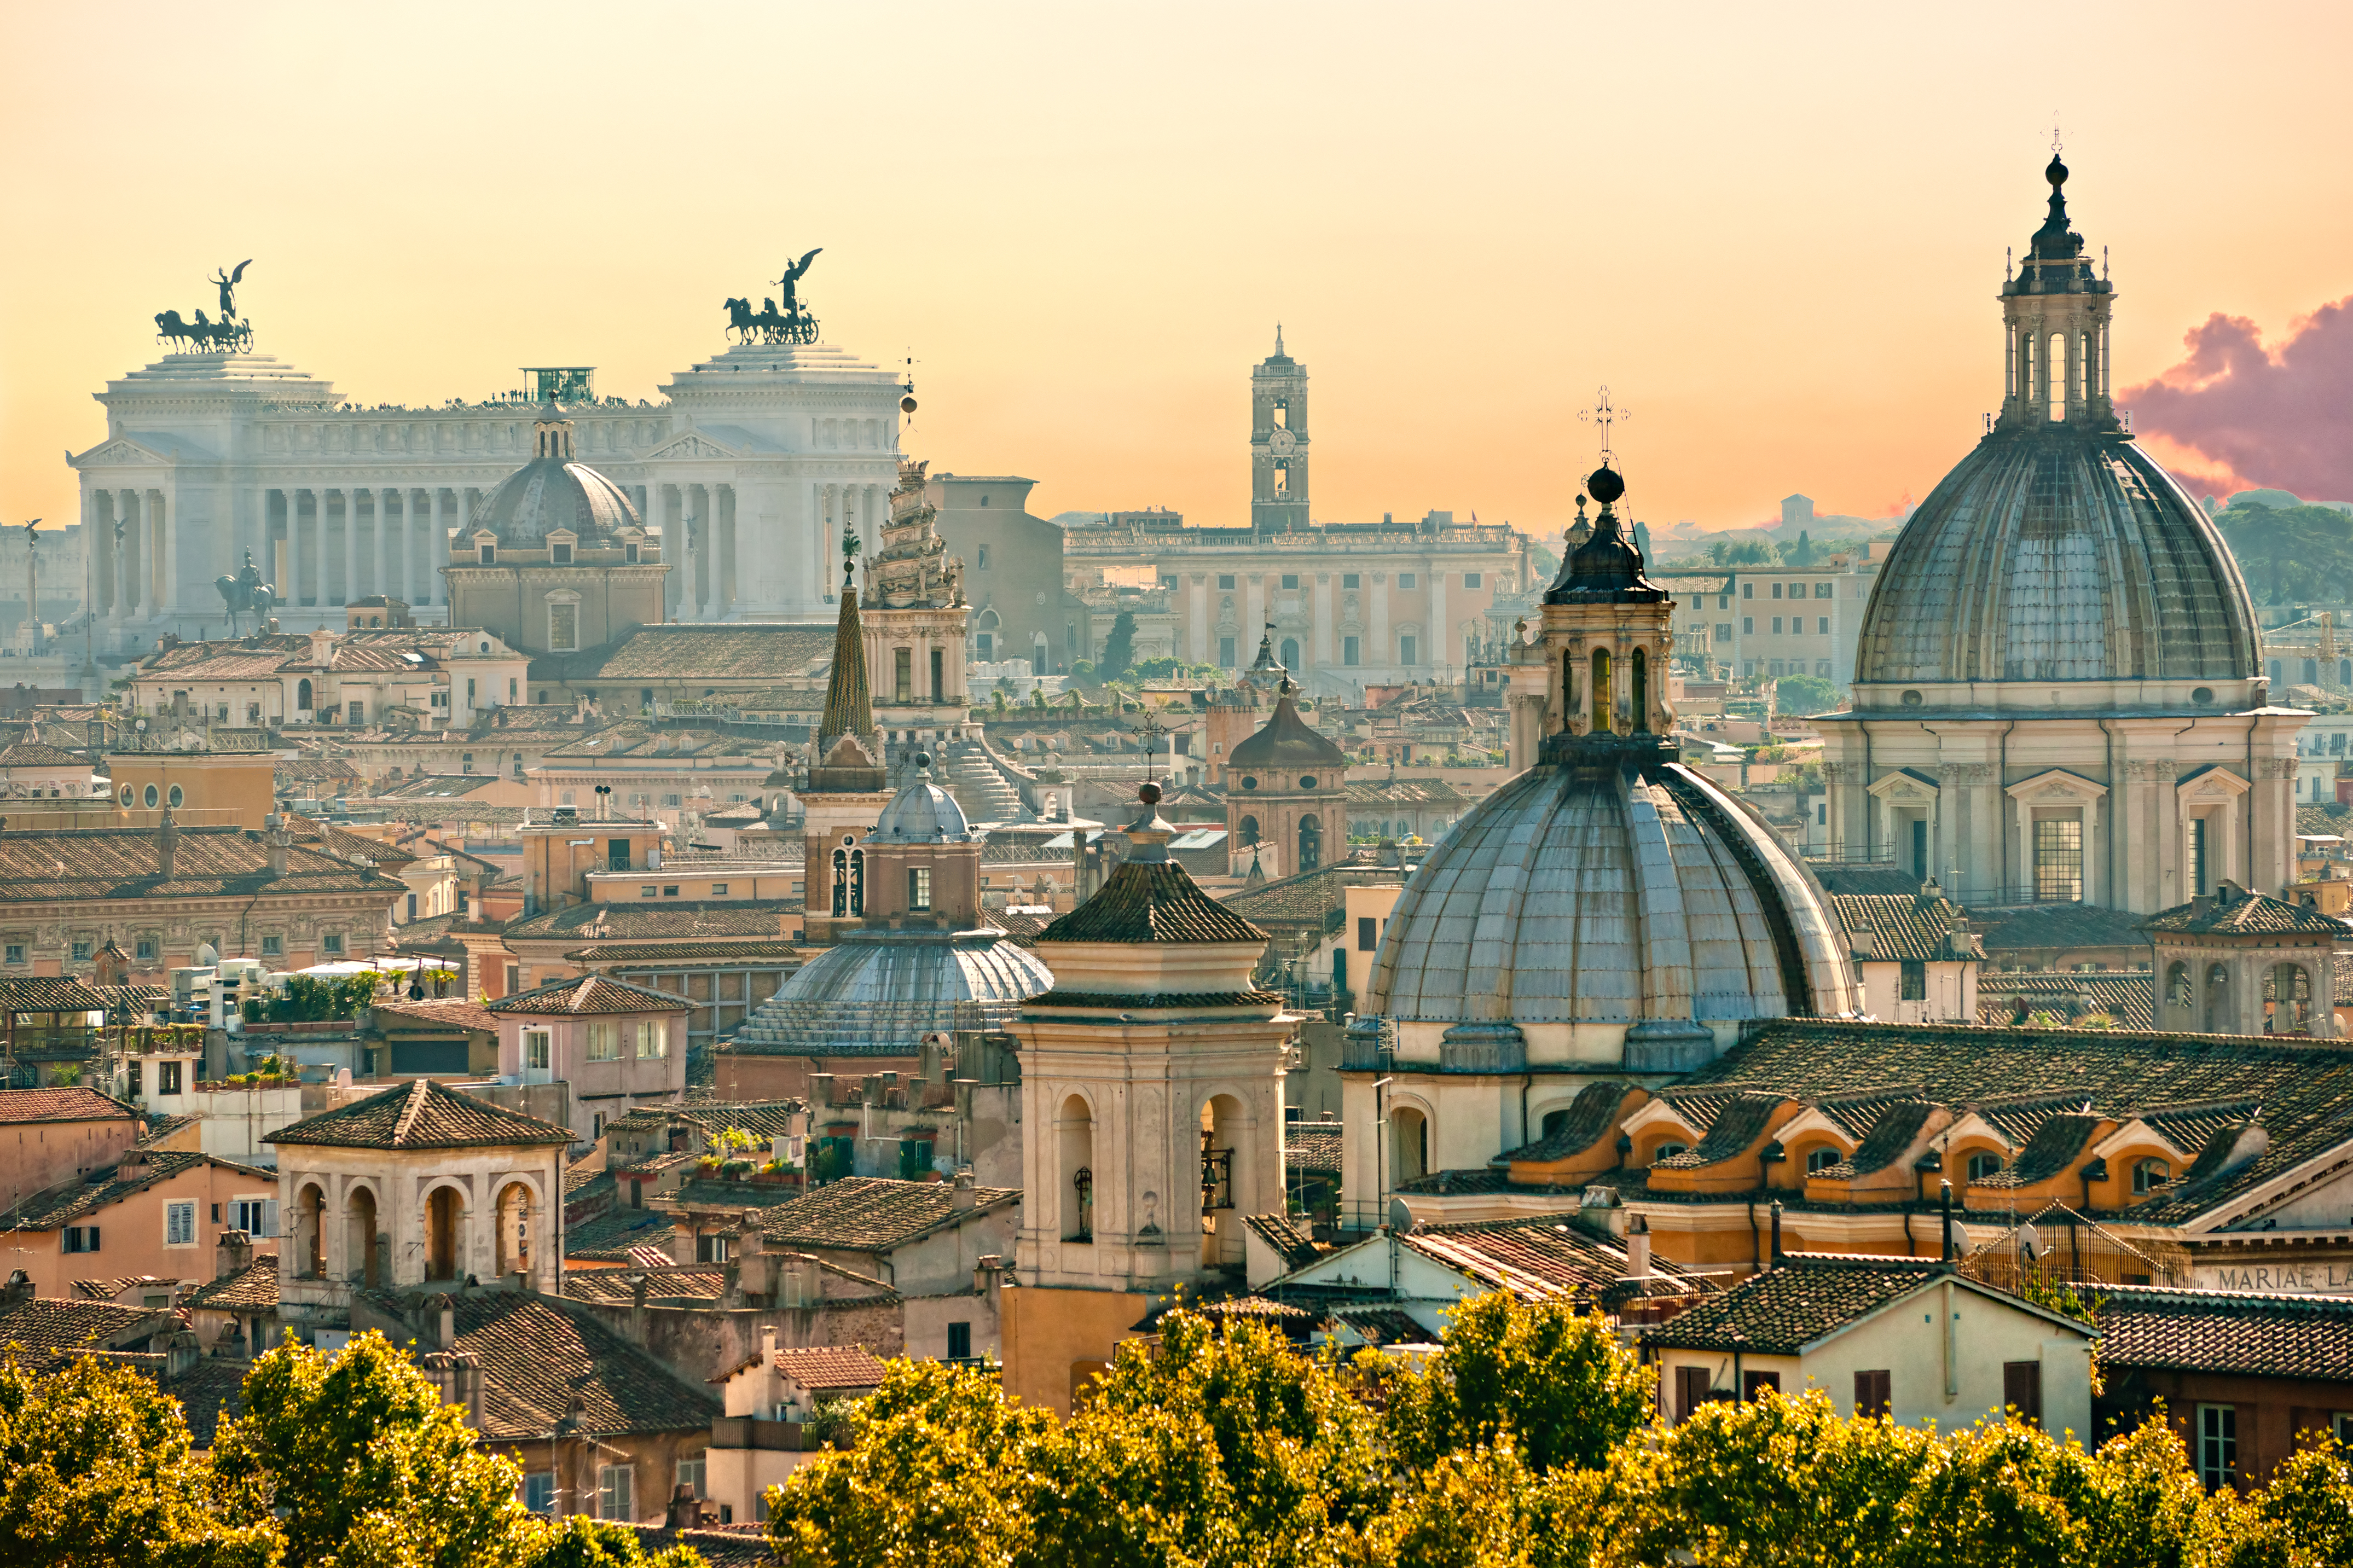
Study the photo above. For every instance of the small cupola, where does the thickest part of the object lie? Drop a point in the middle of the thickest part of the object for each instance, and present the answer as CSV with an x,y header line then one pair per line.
x,y
551,434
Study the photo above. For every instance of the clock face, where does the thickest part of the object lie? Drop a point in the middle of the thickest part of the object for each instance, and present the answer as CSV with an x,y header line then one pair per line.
x,y
1283,441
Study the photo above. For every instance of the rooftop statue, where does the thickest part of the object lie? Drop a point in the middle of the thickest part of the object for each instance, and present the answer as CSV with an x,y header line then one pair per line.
x,y
792,324
227,335
247,593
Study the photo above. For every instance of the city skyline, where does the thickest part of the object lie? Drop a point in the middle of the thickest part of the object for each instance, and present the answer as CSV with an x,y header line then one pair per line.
x,y
1782,256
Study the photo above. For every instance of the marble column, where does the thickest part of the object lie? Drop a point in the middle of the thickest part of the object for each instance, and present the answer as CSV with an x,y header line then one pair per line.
x,y
382,581
434,551
694,536
295,554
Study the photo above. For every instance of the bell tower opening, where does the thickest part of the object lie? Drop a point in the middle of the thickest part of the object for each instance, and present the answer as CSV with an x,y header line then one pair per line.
x,y
1601,691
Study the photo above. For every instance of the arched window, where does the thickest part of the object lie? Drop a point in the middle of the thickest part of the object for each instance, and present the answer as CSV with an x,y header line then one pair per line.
x,y
513,1229
1249,831
1640,674
361,1258
2178,990
2287,999
2150,1175
1601,691
303,696
1408,1144
1291,653
1311,843
1554,1121
1077,1133
1568,689
1820,1160
857,881
1984,1165
2054,375
443,1211
309,1241
1668,1152
2216,1020
840,882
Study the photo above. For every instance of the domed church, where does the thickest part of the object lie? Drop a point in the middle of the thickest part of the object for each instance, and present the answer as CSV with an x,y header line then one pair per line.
x,y
2057,696
1606,914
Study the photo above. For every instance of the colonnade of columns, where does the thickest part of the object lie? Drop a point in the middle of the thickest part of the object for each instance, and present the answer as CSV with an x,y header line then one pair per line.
x,y
698,524
133,543
840,506
351,542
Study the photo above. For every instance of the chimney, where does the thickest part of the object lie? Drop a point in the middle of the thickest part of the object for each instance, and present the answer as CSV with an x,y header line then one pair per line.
x,y
767,1345
685,1511
448,1310
274,833
17,1291
986,1272
167,845
1945,1204
181,1354
234,1253
465,1373
965,1196
1777,1233
1638,1248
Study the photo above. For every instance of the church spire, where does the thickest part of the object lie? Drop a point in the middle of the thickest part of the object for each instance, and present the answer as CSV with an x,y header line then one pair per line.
x,y
1278,340
849,706
2055,315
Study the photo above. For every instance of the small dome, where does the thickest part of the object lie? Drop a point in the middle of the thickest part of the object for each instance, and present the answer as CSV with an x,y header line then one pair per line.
x,y
1284,743
1579,894
551,493
923,813
2058,554
877,993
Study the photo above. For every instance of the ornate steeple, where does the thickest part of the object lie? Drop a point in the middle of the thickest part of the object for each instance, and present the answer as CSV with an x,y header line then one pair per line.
x,y
1608,642
842,761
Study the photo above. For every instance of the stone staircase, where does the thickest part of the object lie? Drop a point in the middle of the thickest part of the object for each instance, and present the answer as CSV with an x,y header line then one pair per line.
x,y
980,786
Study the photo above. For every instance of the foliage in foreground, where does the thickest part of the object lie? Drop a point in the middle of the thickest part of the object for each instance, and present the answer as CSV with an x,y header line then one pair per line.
x,y
353,1462
1525,1443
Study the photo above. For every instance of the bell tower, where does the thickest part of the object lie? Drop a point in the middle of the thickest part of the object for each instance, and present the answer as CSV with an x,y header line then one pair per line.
x,y
1607,640
1278,442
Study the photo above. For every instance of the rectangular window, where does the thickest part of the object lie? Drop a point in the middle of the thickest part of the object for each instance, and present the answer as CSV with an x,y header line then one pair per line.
x,y
603,1034
1406,649
16,952
940,664
539,1493
2218,1445
252,1215
1369,933
1821,626
1776,626
2059,861
179,1225
2198,883
1226,580
81,1238
1406,579
617,854
903,674
412,905
1225,653
1290,581
1723,601
1776,590
1471,579
535,1050
653,1039
1351,580
1871,1392
650,891
1754,1383
919,888
1748,590
690,1475
2021,1390
614,1498
332,944
669,889
167,1077
1351,651
1915,981
273,947
959,1342
1821,590
1691,1384
1723,631
1749,625
718,890
146,948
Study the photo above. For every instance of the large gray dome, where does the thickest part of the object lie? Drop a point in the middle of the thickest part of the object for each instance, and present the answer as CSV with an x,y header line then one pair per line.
x,y
1586,894
551,493
2057,554
879,993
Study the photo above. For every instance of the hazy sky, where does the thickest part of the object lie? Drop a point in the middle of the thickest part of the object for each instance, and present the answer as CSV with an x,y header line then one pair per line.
x,y
1776,232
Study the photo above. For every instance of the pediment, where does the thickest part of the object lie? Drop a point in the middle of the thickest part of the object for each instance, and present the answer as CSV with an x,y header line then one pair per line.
x,y
120,453
2057,785
2211,784
688,444
1906,784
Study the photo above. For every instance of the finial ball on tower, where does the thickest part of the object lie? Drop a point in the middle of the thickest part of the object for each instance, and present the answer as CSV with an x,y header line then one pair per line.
x,y
2056,174
1605,486
1149,795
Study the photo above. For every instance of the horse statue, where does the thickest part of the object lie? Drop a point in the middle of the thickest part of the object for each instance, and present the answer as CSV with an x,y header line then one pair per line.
x,y
741,322
170,329
247,593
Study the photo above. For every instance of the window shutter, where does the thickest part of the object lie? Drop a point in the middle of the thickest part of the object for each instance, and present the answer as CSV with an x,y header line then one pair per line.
x,y
2021,1390
269,1216
92,1239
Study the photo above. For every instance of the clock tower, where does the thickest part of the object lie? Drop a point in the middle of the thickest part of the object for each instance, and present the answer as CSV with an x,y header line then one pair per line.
x,y
1278,442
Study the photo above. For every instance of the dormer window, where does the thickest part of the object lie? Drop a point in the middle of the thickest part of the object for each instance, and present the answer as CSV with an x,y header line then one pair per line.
x,y
559,554
487,554
629,553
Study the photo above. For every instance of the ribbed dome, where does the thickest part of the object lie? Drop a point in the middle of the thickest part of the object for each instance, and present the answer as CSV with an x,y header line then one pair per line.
x,y
923,813
877,993
551,492
1586,894
1285,741
2059,554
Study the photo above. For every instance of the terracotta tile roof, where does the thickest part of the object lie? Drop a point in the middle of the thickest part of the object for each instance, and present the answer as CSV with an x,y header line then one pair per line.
x,y
1315,899
207,1391
821,1367
36,754
51,1326
2226,1333
873,1213
108,1289
2019,1077
1901,927
1285,742
2126,995
1735,1129
666,921
761,1118
612,1236
421,1114
1385,1325
1545,1256
719,1546
25,1106
447,1012
1404,792
1890,1135
47,993
1022,927
687,653
2054,927
48,866
1151,901
1590,1115
1293,1246
1314,1145
692,952
665,1280
2246,915
539,1353
252,1288
589,994
1784,1310
127,1003
69,1201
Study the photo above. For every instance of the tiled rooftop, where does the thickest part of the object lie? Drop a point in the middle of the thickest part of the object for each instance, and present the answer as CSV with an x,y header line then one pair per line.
x,y
873,1213
421,1114
26,1106
668,920
2217,1332
1149,901
538,1355
1784,1310
590,993
252,1288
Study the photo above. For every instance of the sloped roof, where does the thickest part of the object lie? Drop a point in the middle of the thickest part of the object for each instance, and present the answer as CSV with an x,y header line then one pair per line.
x,y
2247,914
590,993
1545,1256
252,1288
1150,900
873,1213
665,1281
1314,1145
52,1326
2048,927
421,1114
70,1201
1316,898
449,1012
1809,1297
830,1366
1286,742
2226,1333
1592,1114
1903,927
26,1106
49,866
683,653
2126,994
669,920
611,1236
539,1353
1290,1244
